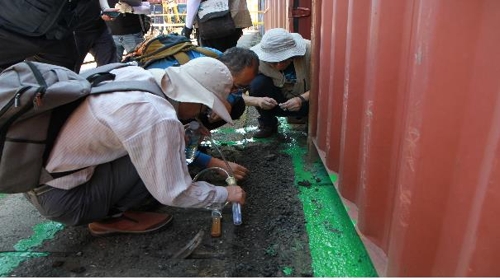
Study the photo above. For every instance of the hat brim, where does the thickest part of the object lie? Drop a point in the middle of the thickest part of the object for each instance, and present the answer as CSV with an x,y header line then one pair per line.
x,y
270,56
189,90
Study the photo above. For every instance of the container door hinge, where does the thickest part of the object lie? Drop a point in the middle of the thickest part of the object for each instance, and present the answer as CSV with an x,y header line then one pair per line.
x,y
301,12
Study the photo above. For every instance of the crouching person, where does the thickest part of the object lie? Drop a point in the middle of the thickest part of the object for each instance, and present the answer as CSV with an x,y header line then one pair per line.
x,y
127,147
284,79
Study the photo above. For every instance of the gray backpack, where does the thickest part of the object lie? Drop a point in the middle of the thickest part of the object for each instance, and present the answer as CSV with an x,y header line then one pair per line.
x,y
35,101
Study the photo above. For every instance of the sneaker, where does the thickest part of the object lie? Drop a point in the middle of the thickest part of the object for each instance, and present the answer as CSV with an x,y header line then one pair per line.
x,y
130,222
265,131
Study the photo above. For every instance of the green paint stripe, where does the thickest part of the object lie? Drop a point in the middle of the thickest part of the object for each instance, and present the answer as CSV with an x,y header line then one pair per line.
x,y
336,248
41,232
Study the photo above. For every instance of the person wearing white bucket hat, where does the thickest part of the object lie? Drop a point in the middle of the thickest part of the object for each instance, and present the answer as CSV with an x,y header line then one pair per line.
x,y
284,78
244,65
128,148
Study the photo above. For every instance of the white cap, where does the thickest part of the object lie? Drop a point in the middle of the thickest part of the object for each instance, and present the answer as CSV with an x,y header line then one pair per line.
x,y
203,80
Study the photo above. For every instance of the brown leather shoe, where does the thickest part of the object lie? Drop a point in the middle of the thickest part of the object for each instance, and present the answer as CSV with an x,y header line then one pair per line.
x,y
130,222
265,131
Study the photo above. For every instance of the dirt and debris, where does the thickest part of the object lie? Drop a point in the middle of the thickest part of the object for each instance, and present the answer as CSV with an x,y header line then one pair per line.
x,y
271,242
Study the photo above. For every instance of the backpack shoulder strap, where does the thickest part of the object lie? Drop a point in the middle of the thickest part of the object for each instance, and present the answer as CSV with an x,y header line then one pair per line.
x,y
92,74
206,52
98,75
128,86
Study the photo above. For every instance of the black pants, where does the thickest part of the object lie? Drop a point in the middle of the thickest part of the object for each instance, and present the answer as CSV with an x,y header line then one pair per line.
x,y
99,43
262,86
224,43
114,188
17,47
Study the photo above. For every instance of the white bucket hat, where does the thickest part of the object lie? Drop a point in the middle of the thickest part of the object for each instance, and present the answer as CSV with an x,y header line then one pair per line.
x,y
203,80
278,44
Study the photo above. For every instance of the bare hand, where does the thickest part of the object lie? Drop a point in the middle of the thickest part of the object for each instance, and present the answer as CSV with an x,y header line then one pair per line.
x,y
204,131
106,17
267,103
292,104
239,171
236,194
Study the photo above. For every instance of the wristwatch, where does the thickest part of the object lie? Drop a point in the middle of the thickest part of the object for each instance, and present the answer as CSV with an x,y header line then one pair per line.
x,y
302,99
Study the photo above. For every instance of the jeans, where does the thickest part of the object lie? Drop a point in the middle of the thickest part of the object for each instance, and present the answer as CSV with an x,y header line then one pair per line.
x,y
127,43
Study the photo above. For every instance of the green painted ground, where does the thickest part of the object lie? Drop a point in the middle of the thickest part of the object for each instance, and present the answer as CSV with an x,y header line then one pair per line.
x,y
337,250
22,250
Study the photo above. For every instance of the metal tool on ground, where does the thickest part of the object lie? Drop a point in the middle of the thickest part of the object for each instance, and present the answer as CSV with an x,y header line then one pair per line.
x,y
190,247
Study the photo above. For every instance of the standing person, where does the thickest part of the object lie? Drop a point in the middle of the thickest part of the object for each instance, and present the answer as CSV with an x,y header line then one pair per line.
x,y
135,150
19,43
127,29
239,13
92,36
284,77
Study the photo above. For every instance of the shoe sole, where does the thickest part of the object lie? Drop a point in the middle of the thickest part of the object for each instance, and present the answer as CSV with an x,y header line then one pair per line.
x,y
105,233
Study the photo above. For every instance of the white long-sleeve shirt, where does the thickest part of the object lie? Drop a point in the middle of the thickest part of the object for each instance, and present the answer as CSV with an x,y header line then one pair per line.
x,y
106,127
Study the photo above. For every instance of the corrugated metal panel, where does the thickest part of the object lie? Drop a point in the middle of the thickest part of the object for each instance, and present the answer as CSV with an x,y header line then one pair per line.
x,y
280,14
275,14
407,112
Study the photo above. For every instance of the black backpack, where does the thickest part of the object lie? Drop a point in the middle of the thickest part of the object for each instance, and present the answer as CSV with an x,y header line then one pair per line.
x,y
51,18
35,101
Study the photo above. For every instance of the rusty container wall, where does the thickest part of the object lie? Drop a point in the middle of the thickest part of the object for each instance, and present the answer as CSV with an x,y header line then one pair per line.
x,y
276,14
299,12
407,112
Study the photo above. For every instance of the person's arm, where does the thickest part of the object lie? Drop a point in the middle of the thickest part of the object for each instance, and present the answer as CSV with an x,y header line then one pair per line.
x,y
158,155
123,7
104,4
239,172
295,103
191,11
266,103
201,159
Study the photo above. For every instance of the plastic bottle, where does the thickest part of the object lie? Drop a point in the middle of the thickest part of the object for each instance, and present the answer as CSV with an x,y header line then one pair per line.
x,y
236,207
193,139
